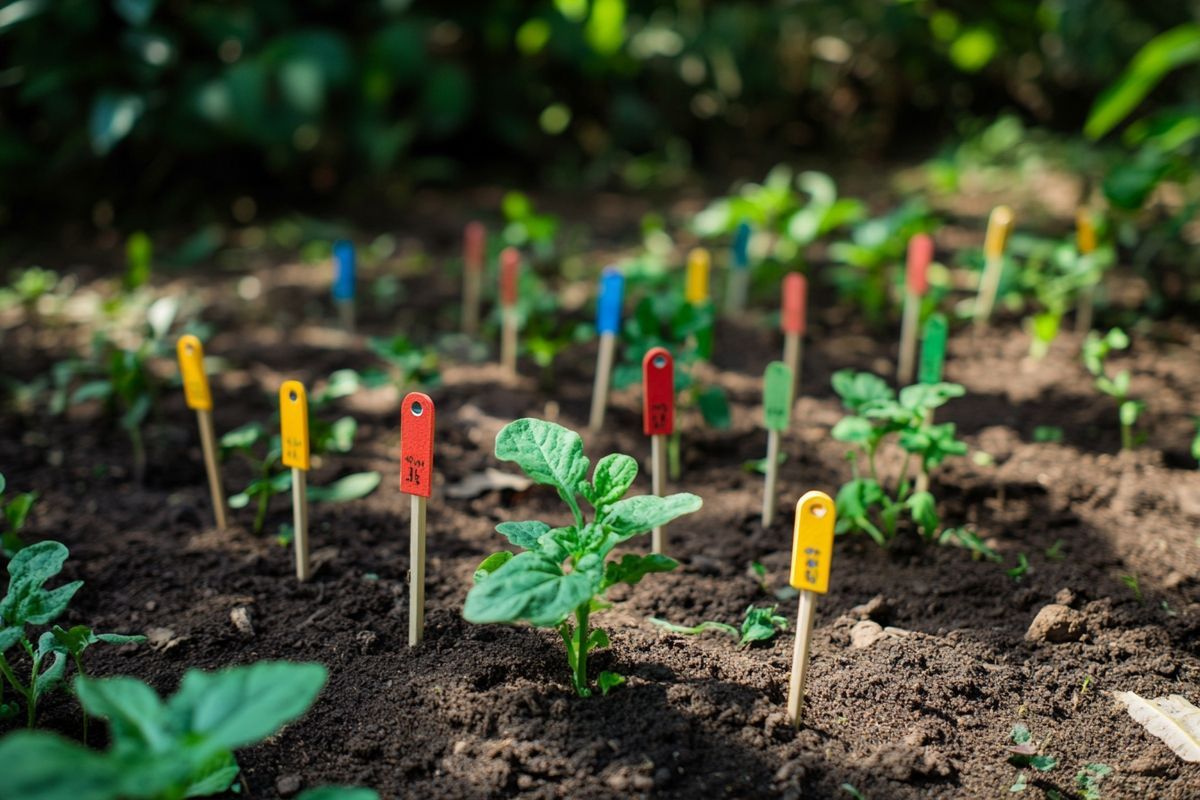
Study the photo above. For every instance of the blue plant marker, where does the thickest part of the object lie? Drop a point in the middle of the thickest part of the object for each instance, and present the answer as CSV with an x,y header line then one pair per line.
x,y
608,310
741,246
343,270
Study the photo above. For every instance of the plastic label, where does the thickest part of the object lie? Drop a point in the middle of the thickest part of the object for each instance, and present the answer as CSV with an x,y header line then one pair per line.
x,y
812,542
920,253
191,369
608,309
795,303
474,246
696,288
740,251
416,444
999,226
343,270
658,390
933,350
293,424
777,396
1085,231
510,267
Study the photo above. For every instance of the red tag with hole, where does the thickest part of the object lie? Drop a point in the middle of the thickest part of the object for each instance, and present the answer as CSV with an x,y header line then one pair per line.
x,y
510,265
658,390
920,253
795,303
416,444
474,242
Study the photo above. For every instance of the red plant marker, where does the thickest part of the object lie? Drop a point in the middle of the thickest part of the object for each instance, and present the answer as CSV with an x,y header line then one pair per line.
x,y
795,304
474,249
658,420
920,253
474,242
510,266
416,479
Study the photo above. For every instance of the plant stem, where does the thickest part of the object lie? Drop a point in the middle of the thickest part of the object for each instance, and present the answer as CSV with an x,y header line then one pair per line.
x,y
1126,437
12,678
674,461
581,639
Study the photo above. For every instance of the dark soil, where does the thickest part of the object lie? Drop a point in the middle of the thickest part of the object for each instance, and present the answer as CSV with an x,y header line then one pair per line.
x,y
924,711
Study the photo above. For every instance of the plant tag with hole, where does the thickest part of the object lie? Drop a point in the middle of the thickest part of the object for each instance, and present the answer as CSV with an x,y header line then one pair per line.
x,y
777,396
658,392
812,542
1085,231
510,268
1000,224
191,368
740,250
416,444
920,254
344,278
795,302
933,350
608,310
696,286
293,424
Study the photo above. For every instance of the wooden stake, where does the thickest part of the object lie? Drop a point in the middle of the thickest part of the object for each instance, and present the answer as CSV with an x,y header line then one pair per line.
x,y
772,479
608,322
293,426
199,398
658,474
999,226
1085,239
793,320
416,479
777,412
510,265
920,253
658,421
474,246
812,551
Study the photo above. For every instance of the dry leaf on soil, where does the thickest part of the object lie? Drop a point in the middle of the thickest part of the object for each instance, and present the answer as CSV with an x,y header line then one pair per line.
x,y
1172,719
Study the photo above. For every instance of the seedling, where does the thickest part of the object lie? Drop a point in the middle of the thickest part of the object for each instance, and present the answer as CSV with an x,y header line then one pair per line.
x,y
1096,349
969,540
877,414
563,573
759,571
28,603
30,286
758,625
1018,572
127,387
411,364
165,749
1132,583
1055,551
13,512
1048,434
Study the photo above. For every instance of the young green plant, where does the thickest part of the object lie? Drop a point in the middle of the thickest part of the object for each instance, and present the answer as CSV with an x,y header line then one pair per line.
x,y
561,578
1096,350
13,512
758,625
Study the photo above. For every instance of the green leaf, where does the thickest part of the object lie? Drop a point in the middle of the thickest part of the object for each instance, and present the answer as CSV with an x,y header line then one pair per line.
x,y
17,510
533,588
1162,54
134,710
635,515
44,766
27,602
338,793
548,453
1129,412
10,636
112,118
352,487
597,639
92,390
1043,763
613,476
1020,734
490,564
523,534
923,509
214,777
928,396
707,625
761,624
714,407
608,681
854,430
860,390
243,438
632,568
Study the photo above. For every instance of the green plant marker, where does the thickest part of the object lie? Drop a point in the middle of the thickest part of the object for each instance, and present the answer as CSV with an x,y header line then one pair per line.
x,y
933,350
777,412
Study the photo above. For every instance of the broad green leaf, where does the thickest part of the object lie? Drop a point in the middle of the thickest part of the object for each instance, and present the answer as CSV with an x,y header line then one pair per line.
x,y
26,601
214,777
597,639
17,510
533,588
113,116
44,766
853,429
338,793
860,390
9,637
635,515
1129,412
1043,763
51,676
243,438
761,624
613,476
548,453
523,534
632,568
351,487
714,407
607,681
490,564
1162,54
133,709
928,396
923,508
243,705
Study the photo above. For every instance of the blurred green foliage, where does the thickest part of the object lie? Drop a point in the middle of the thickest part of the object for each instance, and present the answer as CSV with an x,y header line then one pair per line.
x,y
165,106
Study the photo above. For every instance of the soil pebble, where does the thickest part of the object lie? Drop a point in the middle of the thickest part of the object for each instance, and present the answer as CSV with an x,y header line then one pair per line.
x,y
287,785
1056,624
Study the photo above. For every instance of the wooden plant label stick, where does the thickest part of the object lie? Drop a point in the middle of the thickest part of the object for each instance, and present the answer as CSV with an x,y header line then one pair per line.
x,y
933,360
344,282
999,226
1085,239
812,551
920,253
658,420
608,323
293,425
695,292
199,398
474,247
739,270
510,267
777,413
416,479
793,320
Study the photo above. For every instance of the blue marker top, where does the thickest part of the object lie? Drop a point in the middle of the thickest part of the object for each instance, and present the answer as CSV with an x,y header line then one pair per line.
x,y
343,270
608,310
741,246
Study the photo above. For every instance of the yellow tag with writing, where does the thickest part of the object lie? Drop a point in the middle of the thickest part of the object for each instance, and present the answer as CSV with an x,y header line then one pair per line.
x,y
293,424
812,542
191,369
1085,231
696,289
999,226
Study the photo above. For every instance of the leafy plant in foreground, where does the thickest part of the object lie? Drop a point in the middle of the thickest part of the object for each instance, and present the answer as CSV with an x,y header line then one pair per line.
x,y
12,518
181,747
876,413
1096,349
411,364
758,625
26,603
560,579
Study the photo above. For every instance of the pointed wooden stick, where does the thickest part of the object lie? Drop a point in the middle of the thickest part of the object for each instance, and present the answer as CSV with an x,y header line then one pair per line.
x,y
300,523
416,587
416,479
999,226
208,444
199,398
812,551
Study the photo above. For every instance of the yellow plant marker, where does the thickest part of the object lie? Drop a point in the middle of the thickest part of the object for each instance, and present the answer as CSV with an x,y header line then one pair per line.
x,y
812,552
999,227
199,398
1085,240
696,288
293,430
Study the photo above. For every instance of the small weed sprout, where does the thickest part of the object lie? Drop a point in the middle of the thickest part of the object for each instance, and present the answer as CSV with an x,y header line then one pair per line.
x,y
758,625
1096,349
1132,583
13,512
1021,569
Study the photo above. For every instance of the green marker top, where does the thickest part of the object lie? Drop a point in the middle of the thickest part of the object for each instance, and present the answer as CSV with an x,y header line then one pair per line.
x,y
777,396
933,350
